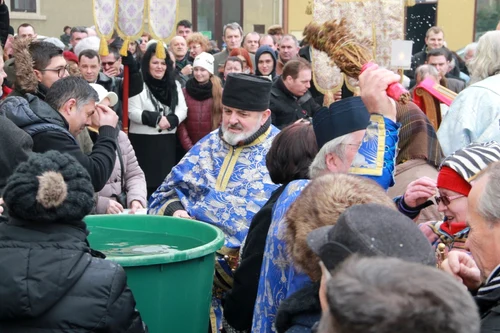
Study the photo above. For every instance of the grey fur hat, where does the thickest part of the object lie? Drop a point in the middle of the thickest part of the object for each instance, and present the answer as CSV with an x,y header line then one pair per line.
x,y
49,188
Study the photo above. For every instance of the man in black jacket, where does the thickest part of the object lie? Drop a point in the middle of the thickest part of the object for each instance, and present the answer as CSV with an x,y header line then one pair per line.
x,y
89,64
54,124
290,96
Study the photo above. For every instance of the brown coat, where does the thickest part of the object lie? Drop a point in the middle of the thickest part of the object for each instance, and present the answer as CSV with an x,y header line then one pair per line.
x,y
408,172
135,181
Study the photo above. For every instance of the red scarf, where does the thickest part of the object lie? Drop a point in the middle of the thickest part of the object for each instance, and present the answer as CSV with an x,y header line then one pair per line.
x,y
453,227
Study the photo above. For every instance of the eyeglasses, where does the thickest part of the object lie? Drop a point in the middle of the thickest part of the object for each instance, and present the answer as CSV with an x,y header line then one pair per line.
x,y
446,200
109,63
60,71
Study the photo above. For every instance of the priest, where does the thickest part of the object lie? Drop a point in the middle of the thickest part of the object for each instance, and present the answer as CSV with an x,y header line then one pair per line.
x,y
223,179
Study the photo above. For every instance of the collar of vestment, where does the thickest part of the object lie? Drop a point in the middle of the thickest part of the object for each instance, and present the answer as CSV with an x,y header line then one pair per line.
x,y
258,136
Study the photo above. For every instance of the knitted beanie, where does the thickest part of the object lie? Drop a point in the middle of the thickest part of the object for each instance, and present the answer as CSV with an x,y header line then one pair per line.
x,y
205,60
449,179
459,169
49,188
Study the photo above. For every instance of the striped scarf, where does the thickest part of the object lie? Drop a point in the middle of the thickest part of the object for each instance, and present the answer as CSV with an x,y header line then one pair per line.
x,y
488,296
492,284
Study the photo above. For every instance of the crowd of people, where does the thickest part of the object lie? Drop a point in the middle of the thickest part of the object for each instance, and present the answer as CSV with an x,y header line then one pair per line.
x,y
355,214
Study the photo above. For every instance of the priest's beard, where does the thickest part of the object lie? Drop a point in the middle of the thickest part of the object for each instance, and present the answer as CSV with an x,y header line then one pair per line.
x,y
233,139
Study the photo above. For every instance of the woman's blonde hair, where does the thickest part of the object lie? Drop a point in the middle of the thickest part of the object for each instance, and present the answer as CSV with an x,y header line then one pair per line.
x,y
198,38
320,204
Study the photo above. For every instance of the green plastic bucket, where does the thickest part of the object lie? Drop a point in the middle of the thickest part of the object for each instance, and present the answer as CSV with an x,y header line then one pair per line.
x,y
169,264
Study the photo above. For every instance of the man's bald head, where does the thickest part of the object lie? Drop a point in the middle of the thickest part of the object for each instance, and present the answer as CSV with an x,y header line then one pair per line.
x,y
175,39
178,46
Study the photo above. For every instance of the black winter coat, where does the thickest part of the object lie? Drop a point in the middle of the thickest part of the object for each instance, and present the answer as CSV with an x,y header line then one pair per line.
x,y
287,108
49,282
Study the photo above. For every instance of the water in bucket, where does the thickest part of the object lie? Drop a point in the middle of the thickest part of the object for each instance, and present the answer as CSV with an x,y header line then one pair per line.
x,y
129,243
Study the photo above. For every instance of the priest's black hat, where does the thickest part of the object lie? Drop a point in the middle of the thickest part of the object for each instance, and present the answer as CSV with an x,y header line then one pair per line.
x,y
341,118
246,92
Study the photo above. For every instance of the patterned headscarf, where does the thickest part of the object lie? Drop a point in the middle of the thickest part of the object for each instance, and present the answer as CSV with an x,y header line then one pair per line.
x,y
468,162
417,137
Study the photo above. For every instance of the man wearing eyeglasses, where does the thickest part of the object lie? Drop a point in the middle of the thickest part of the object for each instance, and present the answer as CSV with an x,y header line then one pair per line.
x,y
47,66
112,63
90,64
348,134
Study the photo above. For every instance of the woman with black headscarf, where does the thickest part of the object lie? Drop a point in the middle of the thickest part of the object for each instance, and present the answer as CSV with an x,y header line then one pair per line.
x,y
154,116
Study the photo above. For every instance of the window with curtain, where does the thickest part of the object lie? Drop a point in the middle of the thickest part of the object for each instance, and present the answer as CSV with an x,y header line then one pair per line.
x,y
23,6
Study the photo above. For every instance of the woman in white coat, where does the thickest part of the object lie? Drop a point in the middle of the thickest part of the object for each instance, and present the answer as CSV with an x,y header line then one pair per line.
x,y
154,116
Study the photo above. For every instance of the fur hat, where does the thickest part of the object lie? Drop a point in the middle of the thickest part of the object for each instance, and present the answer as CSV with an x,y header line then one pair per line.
x,y
205,60
49,188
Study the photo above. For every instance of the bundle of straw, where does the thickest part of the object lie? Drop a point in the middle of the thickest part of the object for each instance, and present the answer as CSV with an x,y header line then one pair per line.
x,y
349,54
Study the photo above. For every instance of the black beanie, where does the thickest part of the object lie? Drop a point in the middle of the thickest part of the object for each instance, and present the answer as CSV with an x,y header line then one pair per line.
x,y
48,188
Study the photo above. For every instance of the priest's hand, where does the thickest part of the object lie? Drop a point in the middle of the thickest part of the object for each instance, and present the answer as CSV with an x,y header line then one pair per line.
x,y
182,214
463,268
419,191
373,83
1,208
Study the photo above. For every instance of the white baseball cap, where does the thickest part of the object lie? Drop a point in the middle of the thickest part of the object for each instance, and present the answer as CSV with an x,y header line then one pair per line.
x,y
103,93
